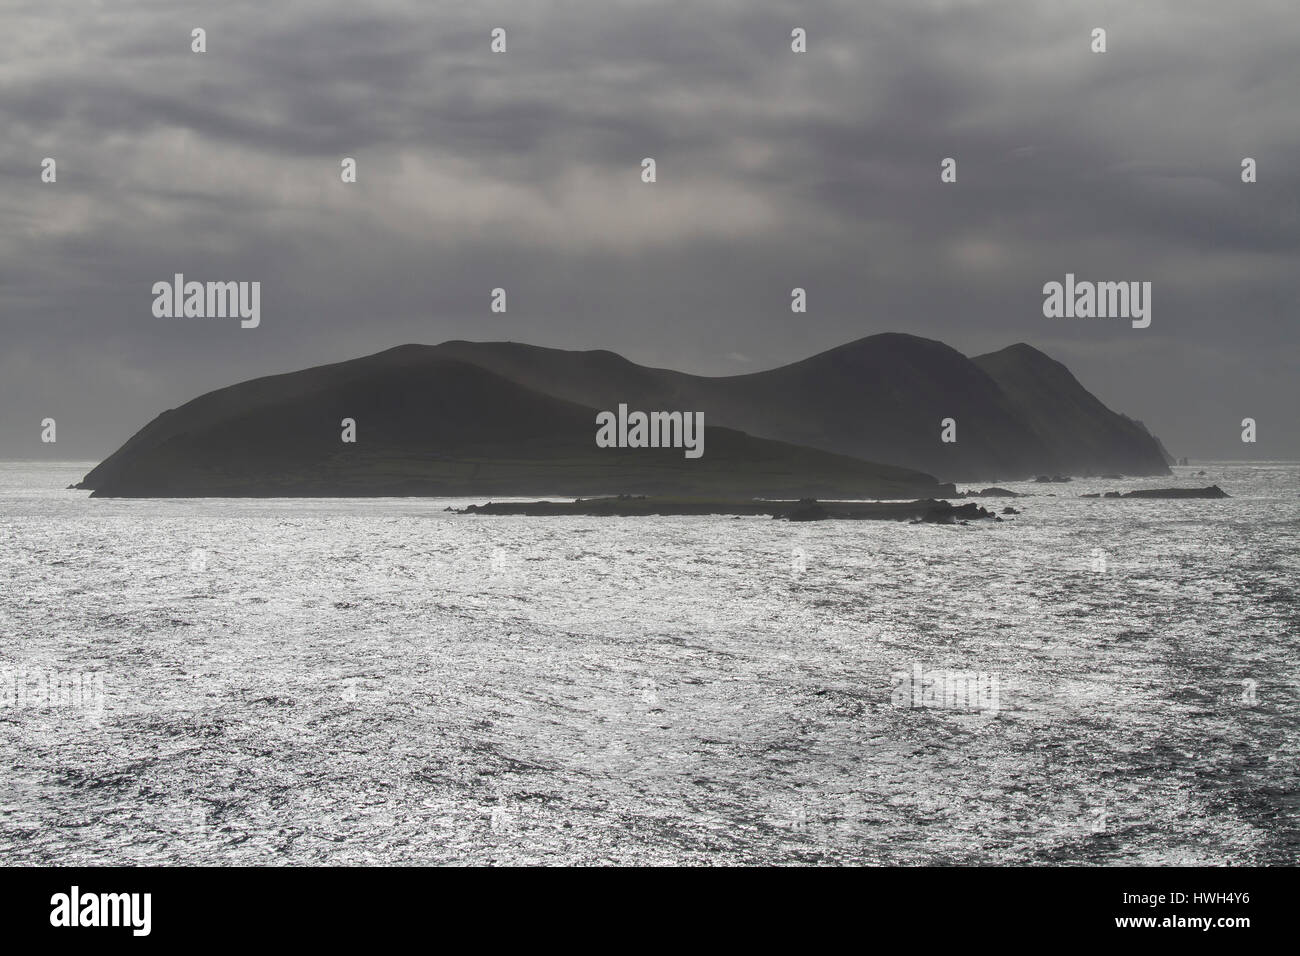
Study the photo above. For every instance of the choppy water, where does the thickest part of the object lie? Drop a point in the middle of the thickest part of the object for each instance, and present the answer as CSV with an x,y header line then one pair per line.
x,y
380,681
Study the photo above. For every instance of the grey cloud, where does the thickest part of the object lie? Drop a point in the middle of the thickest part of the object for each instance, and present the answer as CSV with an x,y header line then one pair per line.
x,y
776,170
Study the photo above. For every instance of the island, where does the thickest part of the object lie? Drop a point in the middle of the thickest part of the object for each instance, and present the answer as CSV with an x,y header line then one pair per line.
x,y
485,420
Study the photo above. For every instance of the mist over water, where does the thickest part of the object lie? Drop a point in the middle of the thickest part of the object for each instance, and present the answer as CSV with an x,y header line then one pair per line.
x,y
333,681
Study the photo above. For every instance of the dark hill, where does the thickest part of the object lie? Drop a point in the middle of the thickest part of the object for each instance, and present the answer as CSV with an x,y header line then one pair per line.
x,y
1082,434
430,425
880,398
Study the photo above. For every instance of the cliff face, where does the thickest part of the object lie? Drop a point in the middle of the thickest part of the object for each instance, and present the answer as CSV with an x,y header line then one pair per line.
x,y
1082,434
428,425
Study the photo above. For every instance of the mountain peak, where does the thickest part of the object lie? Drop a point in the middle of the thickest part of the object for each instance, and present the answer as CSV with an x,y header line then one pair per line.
x,y
1084,435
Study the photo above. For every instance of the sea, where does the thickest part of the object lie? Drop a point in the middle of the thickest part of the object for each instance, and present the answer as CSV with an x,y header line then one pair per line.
x,y
383,681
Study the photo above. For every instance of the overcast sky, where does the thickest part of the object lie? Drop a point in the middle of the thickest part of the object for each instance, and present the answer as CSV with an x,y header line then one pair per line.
x,y
775,170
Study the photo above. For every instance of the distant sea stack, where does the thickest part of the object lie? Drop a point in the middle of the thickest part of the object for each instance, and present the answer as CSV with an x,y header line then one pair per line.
x,y
493,419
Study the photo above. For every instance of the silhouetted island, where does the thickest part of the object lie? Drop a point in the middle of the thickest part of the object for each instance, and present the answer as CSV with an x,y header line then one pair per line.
x,y
494,419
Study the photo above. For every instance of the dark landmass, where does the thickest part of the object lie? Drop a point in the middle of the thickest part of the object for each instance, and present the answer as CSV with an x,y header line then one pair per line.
x,y
1082,435
807,509
1019,413
991,493
479,419
1213,491
432,426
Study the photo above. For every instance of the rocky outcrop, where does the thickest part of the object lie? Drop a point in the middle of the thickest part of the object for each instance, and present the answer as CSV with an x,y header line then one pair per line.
x,y
1213,491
